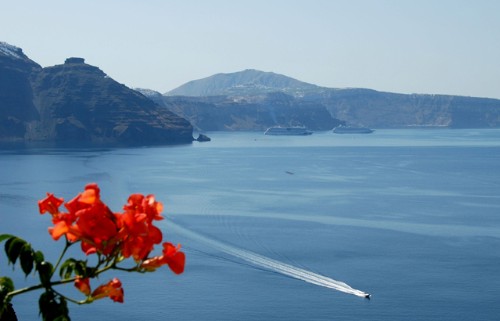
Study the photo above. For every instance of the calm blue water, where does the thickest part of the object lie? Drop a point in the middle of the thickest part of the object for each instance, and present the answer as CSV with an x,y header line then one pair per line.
x,y
410,216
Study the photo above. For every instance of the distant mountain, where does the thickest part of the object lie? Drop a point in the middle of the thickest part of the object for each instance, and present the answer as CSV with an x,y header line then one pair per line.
x,y
248,100
77,102
243,83
365,107
256,113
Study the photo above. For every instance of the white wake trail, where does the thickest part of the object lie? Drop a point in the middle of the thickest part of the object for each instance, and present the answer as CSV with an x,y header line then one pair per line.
x,y
273,265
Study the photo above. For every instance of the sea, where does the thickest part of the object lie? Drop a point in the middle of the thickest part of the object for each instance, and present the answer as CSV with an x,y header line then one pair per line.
x,y
286,227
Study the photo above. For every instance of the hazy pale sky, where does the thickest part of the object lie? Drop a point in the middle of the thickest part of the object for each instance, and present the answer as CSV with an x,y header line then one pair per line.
x,y
403,46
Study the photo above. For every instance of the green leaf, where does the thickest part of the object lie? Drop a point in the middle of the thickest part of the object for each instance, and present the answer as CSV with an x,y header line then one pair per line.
x,y
81,268
13,248
26,259
71,266
53,307
38,257
45,272
6,286
7,312
44,302
67,268
3,237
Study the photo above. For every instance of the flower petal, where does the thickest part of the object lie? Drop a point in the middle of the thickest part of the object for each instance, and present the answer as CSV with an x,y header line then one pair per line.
x,y
83,285
113,289
174,258
50,204
58,230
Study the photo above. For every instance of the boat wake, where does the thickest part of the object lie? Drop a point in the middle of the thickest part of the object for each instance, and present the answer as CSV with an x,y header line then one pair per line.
x,y
271,264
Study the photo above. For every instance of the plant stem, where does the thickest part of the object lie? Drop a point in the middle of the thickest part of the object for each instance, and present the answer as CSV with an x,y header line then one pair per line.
x,y
66,247
112,266
86,301
39,286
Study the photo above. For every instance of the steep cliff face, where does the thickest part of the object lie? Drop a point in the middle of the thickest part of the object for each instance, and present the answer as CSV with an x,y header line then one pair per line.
x,y
353,106
16,105
254,113
79,102
388,110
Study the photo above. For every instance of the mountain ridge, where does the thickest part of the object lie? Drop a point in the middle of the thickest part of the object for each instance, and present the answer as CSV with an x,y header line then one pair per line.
x,y
245,82
78,103
352,106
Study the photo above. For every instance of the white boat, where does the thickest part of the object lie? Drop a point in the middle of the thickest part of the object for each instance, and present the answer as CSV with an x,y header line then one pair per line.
x,y
352,130
296,131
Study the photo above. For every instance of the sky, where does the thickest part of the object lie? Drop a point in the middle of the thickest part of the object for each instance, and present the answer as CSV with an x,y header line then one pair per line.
x,y
404,46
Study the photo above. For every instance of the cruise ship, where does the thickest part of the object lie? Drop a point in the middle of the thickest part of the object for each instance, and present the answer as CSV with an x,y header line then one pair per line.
x,y
296,131
352,130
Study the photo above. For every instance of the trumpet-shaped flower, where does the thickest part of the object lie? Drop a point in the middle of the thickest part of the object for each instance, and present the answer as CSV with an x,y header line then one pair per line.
x,y
113,289
137,232
50,204
171,256
89,220
174,258
114,236
83,285
147,205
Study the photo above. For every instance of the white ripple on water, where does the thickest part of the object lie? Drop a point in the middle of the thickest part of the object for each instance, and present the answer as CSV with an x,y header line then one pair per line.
x,y
271,264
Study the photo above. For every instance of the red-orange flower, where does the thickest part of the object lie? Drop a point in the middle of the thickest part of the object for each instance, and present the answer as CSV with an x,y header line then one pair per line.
x,y
114,236
50,204
174,258
60,228
137,232
139,203
171,256
83,285
93,222
62,221
113,289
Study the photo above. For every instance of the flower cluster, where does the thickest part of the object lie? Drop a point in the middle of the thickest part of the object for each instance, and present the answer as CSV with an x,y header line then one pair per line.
x,y
111,237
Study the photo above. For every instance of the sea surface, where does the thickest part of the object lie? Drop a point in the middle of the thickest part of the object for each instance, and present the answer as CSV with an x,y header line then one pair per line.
x,y
410,216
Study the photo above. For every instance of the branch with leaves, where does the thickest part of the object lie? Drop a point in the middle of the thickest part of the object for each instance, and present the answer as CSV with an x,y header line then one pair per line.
x,y
112,238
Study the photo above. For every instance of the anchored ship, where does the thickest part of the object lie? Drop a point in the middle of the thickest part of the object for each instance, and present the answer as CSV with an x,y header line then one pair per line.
x,y
352,130
297,131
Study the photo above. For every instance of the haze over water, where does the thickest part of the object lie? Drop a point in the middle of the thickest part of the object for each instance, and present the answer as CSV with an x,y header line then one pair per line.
x,y
410,216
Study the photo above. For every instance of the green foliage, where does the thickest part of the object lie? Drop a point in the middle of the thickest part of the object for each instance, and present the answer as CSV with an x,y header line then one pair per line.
x,y
76,267
3,237
53,307
45,272
107,243
6,286
18,249
26,259
13,248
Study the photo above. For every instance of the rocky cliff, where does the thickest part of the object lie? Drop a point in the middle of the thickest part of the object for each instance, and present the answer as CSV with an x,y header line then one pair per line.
x,y
16,95
77,102
389,110
253,113
245,100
